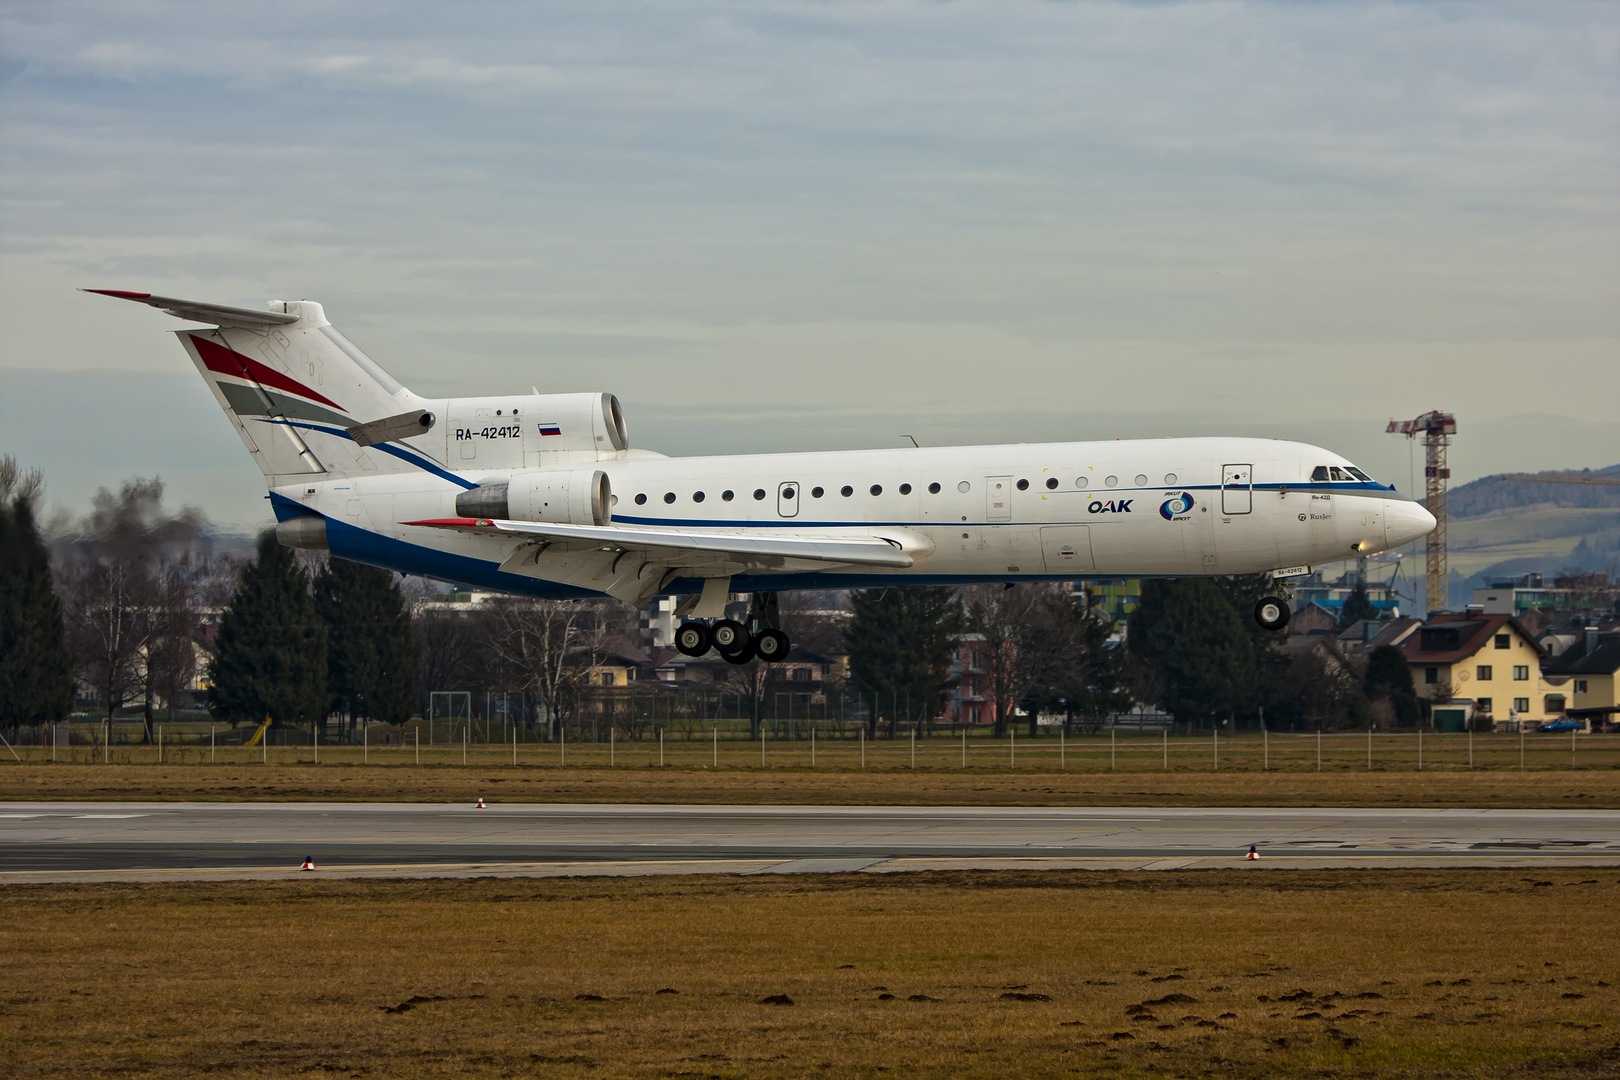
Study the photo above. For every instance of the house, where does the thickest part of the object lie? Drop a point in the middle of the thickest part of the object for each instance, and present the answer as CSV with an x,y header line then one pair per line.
x,y
1312,618
973,696
1490,659
1589,670
1365,635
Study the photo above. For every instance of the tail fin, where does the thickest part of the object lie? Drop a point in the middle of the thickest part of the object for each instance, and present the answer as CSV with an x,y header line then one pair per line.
x,y
304,399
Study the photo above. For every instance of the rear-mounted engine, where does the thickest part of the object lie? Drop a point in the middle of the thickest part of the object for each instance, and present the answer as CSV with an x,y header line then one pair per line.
x,y
559,496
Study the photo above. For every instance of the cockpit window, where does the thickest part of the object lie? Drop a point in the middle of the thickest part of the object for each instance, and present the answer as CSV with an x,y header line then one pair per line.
x,y
1319,473
1359,475
1338,473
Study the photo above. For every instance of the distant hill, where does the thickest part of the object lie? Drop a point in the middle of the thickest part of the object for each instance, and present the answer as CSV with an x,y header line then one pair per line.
x,y
1495,495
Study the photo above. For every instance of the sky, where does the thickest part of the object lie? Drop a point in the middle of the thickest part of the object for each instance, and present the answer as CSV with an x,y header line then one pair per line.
x,y
783,226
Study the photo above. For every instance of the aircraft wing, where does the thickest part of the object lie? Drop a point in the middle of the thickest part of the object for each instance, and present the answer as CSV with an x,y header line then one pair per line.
x,y
676,547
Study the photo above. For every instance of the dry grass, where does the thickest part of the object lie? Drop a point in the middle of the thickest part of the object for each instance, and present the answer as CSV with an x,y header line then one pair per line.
x,y
881,783
1406,973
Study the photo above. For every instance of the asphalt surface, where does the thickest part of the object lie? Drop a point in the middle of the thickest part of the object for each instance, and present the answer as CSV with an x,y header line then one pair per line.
x,y
222,841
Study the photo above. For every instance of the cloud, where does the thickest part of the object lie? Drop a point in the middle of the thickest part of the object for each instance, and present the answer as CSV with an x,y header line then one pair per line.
x,y
1296,209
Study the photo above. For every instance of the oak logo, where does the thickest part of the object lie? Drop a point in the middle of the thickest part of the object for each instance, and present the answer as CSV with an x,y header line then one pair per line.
x,y
1112,506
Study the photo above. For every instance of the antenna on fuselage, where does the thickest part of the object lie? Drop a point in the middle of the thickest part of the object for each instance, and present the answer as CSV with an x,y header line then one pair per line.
x,y
913,439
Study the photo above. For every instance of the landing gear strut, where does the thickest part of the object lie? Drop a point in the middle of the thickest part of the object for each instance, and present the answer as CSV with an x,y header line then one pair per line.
x,y
737,642
1272,613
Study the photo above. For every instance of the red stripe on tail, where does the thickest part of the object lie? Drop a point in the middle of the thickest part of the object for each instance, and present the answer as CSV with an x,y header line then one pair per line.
x,y
217,357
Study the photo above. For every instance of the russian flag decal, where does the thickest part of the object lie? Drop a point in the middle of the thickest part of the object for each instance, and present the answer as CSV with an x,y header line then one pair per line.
x,y
550,429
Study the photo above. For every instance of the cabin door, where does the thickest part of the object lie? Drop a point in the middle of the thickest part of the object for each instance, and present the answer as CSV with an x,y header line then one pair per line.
x,y
1237,489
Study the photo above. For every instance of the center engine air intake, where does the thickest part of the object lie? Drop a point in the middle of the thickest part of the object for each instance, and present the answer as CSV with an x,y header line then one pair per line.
x,y
560,496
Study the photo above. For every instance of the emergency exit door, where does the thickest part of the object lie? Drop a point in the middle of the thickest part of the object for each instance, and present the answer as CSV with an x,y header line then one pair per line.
x,y
998,498
787,499
1237,489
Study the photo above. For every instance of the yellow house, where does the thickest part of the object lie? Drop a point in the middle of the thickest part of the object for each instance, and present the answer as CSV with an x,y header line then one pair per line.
x,y
1489,659
1587,673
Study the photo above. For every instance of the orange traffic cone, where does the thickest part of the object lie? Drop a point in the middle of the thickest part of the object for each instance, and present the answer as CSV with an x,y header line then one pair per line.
x,y
309,863
1253,854
480,805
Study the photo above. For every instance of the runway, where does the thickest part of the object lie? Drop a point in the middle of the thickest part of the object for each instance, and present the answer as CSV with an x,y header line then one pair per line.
x,y
57,842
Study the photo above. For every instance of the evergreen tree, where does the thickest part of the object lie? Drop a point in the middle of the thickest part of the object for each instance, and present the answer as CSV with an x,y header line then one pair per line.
x,y
36,671
1357,606
1109,683
1196,646
900,643
1389,677
371,656
270,657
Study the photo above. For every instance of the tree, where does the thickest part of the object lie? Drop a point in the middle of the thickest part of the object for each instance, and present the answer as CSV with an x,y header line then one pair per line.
x,y
1109,680
371,656
900,643
128,573
1357,606
550,646
1187,632
36,671
270,656
1389,678
1030,643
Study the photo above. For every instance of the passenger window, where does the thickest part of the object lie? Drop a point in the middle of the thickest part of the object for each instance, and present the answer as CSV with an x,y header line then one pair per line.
x,y
933,489
846,491
816,493
641,500
759,494
877,489
1023,485
727,495
669,496
1141,479
1051,483
1319,473
697,496
905,489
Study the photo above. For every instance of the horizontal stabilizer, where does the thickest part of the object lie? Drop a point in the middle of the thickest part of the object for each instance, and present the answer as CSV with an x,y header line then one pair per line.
x,y
218,314
756,543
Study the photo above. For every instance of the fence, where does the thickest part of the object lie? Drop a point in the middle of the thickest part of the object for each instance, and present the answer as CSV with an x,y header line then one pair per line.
x,y
830,744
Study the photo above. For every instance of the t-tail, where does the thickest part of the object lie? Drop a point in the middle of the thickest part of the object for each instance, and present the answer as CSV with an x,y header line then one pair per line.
x,y
306,401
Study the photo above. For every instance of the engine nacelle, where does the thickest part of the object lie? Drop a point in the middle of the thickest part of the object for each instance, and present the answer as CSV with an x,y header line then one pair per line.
x,y
560,496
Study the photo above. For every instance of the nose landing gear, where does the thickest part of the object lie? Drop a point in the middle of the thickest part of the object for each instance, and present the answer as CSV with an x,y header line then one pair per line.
x,y
1272,613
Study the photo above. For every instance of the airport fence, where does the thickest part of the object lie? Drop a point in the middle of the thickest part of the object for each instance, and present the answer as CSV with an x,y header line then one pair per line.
x,y
812,743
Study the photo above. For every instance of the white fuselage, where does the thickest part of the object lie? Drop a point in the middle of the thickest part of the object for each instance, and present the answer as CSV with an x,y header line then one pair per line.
x,y
1139,508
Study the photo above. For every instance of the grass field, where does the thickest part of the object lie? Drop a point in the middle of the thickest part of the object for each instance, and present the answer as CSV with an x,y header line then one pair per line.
x,y
1246,973
883,782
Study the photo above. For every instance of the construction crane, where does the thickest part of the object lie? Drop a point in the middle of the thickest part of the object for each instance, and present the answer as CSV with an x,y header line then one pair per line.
x,y
1436,428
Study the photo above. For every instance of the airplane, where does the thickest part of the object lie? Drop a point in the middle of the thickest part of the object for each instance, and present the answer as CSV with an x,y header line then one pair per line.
x,y
543,495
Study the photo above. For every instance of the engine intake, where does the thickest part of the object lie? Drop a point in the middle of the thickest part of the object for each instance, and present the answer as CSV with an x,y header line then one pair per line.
x,y
561,496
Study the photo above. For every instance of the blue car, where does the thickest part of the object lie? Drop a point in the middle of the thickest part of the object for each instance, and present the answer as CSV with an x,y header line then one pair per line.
x,y
1560,725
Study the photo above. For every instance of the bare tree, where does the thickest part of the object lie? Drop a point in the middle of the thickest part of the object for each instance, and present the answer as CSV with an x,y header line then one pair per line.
x,y
128,573
551,647
1030,642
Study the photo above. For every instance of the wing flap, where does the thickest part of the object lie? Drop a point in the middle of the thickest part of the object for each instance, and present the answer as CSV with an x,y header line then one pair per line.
x,y
857,550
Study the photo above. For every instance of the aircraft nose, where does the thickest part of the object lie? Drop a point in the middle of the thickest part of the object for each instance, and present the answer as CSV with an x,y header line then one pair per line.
x,y
1405,522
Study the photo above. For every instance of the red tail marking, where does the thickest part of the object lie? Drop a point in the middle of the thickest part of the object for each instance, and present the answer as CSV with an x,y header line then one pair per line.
x,y
230,362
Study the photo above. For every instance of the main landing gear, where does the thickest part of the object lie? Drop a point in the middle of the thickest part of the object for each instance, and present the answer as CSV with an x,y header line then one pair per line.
x,y
1272,613
734,641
